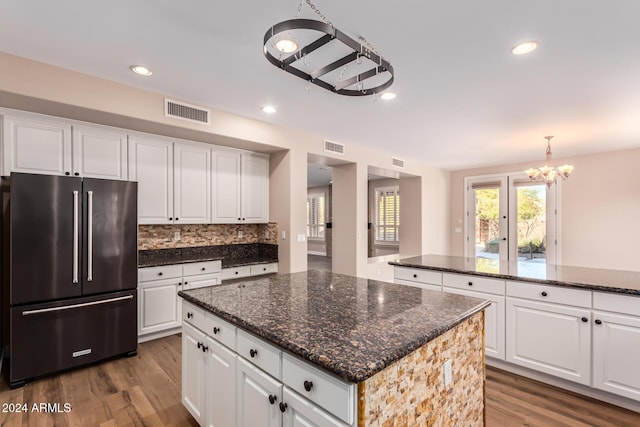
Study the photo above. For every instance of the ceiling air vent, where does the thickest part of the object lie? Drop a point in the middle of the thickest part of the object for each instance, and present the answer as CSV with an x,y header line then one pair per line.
x,y
333,147
397,162
182,111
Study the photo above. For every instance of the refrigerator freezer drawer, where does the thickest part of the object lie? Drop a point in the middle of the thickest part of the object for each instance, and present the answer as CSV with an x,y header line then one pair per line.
x,y
47,338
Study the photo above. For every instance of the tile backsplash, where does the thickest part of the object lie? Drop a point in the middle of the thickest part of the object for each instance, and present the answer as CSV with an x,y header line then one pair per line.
x,y
163,236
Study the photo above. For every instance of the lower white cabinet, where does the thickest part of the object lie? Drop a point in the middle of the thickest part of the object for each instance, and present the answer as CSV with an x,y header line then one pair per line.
x,y
249,270
551,338
259,397
418,284
220,390
194,361
300,412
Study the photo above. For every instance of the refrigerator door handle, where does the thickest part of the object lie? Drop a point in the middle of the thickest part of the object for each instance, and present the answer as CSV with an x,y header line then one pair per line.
x,y
67,307
75,237
90,237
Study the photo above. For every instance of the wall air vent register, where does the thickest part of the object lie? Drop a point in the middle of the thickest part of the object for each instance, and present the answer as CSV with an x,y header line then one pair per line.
x,y
188,112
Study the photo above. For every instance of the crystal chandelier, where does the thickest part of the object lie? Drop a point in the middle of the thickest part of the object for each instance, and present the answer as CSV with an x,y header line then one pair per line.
x,y
547,173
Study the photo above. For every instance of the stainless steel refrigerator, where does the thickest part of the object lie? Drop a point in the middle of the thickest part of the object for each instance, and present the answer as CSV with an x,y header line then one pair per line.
x,y
69,272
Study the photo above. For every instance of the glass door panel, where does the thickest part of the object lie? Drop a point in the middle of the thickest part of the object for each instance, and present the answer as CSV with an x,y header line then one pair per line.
x,y
531,227
488,219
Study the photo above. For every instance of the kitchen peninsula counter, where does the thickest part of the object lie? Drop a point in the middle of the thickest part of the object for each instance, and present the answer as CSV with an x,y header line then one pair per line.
x,y
381,336
595,279
230,255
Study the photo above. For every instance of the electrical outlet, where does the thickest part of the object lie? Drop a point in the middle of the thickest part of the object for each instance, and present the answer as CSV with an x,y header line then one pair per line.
x,y
447,372
176,236
301,238
284,235
240,234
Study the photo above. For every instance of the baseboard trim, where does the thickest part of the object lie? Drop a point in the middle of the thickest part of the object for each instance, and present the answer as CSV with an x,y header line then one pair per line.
x,y
567,385
161,334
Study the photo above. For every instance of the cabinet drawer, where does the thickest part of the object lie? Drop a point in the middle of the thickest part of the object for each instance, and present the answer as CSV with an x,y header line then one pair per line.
x,y
554,294
206,267
418,275
194,315
625,304
261,354
235,273
418,285
221,331
157,273
264,268
474,283
328,392
201,281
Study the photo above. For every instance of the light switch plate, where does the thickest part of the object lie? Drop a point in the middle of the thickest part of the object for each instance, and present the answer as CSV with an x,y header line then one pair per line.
x,y
301,238
447,372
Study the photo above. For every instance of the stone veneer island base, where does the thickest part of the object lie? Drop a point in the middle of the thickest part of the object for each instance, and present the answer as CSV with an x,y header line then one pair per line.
x,y
322,349
411,391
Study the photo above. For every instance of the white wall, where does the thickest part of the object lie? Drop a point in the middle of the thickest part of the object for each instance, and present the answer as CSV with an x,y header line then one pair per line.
x,y
599,208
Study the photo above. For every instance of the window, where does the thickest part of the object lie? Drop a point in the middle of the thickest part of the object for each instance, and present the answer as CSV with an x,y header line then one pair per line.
x,y
387,216
315,216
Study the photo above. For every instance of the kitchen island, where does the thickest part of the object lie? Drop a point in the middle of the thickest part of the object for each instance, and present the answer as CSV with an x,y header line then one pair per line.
x,y
335,350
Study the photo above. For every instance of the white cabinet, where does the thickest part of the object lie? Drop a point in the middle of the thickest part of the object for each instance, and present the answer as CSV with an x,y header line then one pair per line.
x,y
151,164
220,390
193,372
259,397
249,270
426,279
616,344
99,152
240,187
551,338
36,144
300,412
192,180
33,143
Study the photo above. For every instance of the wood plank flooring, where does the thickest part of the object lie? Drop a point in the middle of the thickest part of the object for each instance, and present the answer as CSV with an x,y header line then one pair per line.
x,y
145,391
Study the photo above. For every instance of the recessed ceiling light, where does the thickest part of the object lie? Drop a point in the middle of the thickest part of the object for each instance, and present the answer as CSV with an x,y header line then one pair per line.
x,y
387,96
286,46
141,69
526,47
269,109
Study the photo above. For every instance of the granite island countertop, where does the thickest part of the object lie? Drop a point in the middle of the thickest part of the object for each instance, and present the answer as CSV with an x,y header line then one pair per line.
x,y
230,255
595,279
349,326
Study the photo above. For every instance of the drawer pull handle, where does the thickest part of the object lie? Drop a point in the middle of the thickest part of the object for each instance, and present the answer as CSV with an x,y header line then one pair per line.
x,y
204,348
160,274
253,353
308,385
236,272
264,269
598,322
179,283
272,399
189,315
283,407
584,319
202,268
199,344
544,294
415,276
186,283
216,330
470,283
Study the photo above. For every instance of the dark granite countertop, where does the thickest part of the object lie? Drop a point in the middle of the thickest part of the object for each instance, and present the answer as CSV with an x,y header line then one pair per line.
x,y
596,279
349,326
230,255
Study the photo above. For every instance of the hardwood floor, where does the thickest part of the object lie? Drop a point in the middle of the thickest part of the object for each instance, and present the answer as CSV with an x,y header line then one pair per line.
x,y
145,390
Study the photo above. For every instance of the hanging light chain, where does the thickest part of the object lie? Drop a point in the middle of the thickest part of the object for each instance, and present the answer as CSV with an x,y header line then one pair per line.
x,y
315,9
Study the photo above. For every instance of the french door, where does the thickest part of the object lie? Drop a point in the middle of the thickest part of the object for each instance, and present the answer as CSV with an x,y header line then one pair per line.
x,y
511,218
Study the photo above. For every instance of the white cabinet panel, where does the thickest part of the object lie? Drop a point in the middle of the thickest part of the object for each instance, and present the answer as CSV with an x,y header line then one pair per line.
x,y
494,328
151,164
99,152
220,385
158,306
418,275
254,409
192,180
202,281
255,188
616,352
473,283
418,285
260,353
302,413
36,145
193,373
226,187
550,338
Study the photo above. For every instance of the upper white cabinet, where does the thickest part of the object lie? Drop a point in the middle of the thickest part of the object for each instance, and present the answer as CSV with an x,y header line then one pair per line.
x,y
192,180
99,152
151,164
39,144
240,187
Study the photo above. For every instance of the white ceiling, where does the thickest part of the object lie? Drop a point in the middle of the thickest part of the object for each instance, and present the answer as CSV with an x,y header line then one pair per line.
x,y
463,99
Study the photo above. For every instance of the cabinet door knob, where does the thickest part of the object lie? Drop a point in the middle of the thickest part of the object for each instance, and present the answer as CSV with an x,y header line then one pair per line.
x,y
238,219
67,173
584,319
544,294
308,385
598,322
272,399
470,283
204,348
177,218
253,353
189,315
186,283
199,344
160,274
415,276
216,330
202,268
283,407
170,219
76,174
